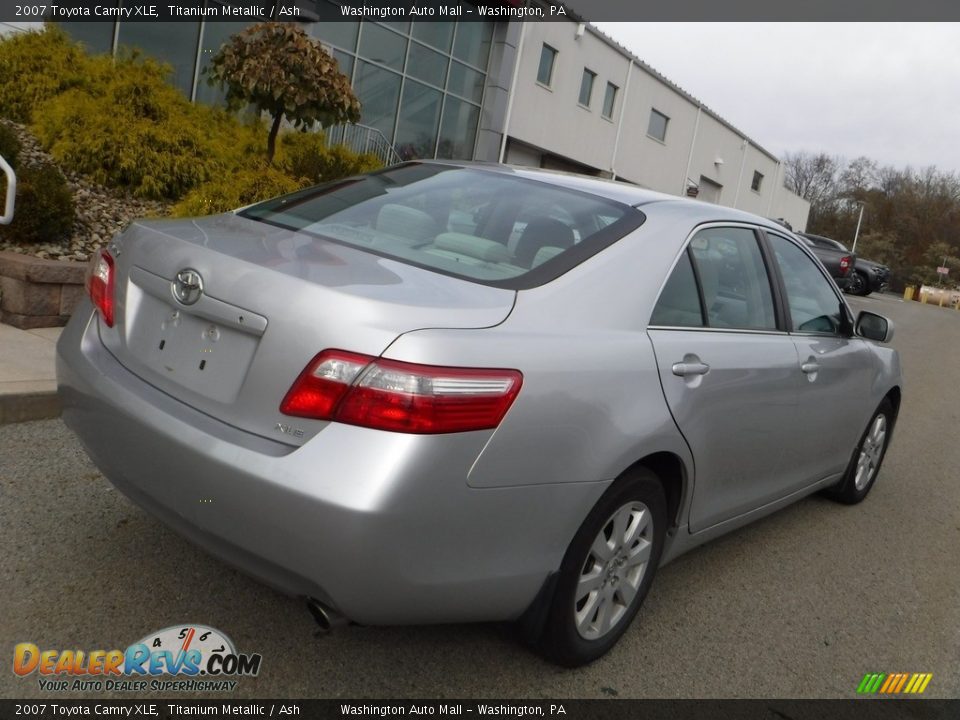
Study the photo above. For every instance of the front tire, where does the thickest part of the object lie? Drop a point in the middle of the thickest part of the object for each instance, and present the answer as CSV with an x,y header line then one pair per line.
x,y
865,464
607,571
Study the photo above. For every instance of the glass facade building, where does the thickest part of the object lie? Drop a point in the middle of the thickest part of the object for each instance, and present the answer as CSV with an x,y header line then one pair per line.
x,y
421,84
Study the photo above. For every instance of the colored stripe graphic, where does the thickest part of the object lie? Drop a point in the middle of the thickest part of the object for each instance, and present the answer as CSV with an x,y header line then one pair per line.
x,y
870,683
894,683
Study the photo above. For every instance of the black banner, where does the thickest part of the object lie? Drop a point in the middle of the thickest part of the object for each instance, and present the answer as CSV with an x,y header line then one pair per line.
x,y
861,709
14,11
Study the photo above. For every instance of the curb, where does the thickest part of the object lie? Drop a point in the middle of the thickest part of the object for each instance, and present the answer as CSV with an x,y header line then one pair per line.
x,y
21,407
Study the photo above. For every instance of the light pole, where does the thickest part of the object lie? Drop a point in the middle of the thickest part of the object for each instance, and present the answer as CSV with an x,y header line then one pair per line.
x,y
861,203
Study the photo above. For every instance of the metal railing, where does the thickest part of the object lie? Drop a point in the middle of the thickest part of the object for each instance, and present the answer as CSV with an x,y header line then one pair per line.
x,y
363,139
7,216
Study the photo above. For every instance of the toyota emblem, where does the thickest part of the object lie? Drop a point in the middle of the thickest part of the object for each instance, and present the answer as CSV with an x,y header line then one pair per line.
x,y
188,287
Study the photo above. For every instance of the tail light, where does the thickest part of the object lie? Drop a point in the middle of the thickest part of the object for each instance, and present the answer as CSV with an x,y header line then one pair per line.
x,y
100,284
845,264
401,397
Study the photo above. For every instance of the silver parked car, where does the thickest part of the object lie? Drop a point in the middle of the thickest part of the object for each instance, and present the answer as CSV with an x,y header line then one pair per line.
x,y
446,393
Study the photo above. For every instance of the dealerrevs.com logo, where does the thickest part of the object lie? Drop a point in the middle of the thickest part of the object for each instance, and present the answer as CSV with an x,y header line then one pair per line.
x,y
204,657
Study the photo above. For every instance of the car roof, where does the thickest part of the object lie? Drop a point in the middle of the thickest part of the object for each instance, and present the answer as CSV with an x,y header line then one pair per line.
x,y
621,192
831,241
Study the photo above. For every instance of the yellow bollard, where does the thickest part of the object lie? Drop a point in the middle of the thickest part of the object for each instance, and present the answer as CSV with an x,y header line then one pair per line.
x,y
923,297
941,299
908,293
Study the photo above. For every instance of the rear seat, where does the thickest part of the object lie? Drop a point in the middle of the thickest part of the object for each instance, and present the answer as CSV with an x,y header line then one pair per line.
x,y
458,246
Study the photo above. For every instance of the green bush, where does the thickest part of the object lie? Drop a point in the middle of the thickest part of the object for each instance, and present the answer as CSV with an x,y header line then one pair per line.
x,y
137,132
121,124
236,189
302,159
36,66
44,210
305,154
9,145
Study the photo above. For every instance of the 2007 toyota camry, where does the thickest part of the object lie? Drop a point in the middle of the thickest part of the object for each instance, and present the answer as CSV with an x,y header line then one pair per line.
x,y
445,392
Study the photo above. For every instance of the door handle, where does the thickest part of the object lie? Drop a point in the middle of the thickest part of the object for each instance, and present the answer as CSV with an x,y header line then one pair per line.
x,y
682,369
810,367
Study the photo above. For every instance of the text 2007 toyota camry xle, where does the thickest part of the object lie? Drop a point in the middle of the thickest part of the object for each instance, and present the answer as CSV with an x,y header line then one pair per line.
x,y
444,393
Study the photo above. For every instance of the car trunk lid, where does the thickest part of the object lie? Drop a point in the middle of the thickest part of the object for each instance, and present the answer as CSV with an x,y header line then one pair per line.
x,y
223,313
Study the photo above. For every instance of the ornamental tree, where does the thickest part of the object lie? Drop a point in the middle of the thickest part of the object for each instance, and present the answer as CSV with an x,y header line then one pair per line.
x,y
280,70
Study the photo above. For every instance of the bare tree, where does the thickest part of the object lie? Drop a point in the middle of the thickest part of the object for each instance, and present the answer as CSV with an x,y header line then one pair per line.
x,y
814,178
860,175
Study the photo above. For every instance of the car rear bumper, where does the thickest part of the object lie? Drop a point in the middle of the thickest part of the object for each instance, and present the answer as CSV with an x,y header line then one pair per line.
x,y
380,526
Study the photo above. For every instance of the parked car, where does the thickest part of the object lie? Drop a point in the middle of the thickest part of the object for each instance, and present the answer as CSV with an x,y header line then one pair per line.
x,y
519,419
867,276
839,264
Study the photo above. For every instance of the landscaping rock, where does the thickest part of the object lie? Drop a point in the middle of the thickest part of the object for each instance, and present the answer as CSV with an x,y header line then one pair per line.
x,y
100,212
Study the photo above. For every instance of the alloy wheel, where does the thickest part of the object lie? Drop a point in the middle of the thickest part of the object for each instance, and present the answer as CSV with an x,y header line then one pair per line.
x,y
871,452
613,570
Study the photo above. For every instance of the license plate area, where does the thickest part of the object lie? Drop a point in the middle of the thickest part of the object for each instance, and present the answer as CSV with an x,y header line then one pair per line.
x,y
206,355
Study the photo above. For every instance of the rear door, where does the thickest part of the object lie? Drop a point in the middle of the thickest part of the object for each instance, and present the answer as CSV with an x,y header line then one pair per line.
x,y
836,368
729,372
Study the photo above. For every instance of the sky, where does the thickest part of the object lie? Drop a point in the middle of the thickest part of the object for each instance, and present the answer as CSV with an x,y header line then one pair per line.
x,y
890,91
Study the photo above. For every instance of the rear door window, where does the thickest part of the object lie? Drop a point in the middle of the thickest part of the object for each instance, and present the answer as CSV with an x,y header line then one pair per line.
x,y
733,279
679,303
721,281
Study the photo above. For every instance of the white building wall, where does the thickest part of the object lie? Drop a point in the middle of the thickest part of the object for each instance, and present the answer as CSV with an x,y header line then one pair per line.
x,y
755,160
643,159
550,117
551,122
792,208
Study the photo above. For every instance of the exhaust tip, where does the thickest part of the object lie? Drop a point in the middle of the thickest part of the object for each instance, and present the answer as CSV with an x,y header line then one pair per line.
x,y
326,617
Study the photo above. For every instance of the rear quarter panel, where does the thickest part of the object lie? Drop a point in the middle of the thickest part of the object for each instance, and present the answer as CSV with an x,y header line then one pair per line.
x,y
591,404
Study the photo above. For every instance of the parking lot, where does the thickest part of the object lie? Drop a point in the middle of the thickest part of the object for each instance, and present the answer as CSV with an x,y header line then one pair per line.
x,y
801,604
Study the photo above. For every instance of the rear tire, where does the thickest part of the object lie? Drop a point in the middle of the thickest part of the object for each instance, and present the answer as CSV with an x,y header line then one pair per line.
x,y
858,284
607,571
865,463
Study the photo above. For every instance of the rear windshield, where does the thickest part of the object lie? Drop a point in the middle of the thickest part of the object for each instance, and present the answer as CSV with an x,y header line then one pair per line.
x,y
488,227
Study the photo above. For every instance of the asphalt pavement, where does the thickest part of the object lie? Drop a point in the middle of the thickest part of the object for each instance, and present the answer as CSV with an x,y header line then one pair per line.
x,y
800,604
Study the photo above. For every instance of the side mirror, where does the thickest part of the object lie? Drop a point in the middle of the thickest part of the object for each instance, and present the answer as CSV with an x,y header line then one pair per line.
x,y
874,327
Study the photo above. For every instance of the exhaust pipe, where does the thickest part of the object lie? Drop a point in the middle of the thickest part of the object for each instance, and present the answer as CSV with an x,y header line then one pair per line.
x,y
326,617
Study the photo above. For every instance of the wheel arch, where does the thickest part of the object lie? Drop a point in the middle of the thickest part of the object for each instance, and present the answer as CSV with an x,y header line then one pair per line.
x,y
671,471
894,395
674,477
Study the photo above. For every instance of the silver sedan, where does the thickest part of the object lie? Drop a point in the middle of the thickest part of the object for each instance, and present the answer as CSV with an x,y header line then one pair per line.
x,y
446,393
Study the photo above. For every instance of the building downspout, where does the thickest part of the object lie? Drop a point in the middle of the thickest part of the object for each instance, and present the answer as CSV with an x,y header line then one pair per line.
x,y
196,64
693,142
776,186
623,109
513,91
743,161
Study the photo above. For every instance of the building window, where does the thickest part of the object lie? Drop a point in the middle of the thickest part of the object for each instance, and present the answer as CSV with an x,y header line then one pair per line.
x,y
657,129
383,46
547,58
609,99
174,43
586,86
215,34
418,120
379,93
757,181
97,37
